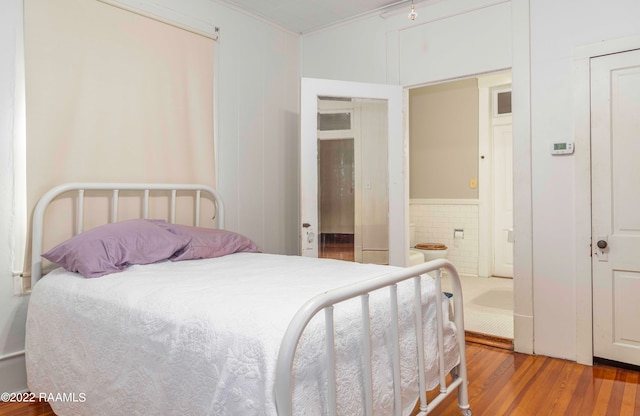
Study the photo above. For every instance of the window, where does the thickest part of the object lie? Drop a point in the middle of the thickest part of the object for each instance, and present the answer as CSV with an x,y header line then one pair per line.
x,y
114,96
502,102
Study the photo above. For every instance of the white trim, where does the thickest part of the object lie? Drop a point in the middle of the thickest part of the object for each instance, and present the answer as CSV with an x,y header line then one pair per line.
x,y
582,156
485,167
606,47
495,79
217,65
406,169
436,201
168,16
20,221
12,355
523,340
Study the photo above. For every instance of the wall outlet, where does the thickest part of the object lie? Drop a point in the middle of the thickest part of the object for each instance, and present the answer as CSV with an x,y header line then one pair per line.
x,y
473,183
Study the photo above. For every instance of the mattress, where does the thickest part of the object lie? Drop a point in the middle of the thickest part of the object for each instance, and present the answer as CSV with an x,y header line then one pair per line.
x,y
201,337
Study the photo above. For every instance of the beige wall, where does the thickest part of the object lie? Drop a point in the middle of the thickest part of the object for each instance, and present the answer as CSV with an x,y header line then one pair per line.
x,y
443,141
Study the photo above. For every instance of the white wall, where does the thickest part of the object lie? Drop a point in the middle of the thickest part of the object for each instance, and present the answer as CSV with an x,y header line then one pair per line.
x,y
446,42
354,52
257,90
257,84
449,39
557,28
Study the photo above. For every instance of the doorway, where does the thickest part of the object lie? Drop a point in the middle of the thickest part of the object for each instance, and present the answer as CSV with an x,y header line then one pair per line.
x,y
485,245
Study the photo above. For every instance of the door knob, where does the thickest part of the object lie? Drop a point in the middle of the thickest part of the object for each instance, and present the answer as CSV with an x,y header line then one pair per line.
x,y
602,244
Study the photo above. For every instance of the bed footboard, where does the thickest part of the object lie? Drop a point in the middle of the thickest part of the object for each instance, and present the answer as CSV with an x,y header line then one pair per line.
x,y
324,303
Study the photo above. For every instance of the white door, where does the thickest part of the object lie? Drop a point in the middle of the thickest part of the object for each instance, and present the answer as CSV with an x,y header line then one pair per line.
x,y
503,200
502,182
615,182
397,205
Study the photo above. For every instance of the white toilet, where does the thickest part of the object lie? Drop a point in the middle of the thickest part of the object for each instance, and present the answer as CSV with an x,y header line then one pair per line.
x,y
415,257
428,251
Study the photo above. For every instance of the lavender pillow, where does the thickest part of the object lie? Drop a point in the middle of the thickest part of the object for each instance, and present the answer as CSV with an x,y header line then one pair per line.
x,y
114,247
208,242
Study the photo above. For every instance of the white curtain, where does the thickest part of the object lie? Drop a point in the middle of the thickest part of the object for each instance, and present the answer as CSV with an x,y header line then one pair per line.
x,y
113,96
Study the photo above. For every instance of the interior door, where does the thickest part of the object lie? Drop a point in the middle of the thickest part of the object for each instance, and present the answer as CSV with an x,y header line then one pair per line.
x,y
503,200
395,208
615,146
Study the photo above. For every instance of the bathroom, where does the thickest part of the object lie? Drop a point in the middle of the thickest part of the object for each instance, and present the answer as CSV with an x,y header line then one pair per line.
x,y
443,161
461,190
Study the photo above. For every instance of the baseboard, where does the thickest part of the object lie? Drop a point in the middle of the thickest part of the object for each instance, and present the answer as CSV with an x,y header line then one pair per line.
x,y
490,340
12,355
13,373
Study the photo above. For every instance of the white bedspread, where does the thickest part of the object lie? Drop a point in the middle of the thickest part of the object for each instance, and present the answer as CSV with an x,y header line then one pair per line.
x,y
201,338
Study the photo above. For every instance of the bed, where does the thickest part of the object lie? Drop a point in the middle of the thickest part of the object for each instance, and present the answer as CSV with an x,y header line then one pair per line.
x,y
234,333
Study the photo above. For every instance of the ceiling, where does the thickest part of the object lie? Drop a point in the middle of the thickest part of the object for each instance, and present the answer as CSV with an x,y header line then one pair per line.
x,y
303,16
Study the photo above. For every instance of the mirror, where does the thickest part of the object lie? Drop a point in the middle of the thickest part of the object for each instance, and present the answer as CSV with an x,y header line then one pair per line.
x,y
352,177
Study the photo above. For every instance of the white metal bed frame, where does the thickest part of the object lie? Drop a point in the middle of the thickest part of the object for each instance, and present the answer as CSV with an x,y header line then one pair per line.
x,y
321,303
326,301
115,188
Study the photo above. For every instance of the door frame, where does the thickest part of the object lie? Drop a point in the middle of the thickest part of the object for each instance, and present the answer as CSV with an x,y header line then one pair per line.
x,y
397,142
582,128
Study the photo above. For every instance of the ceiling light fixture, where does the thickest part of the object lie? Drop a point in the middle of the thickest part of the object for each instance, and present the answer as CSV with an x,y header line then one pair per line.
x,y
412,14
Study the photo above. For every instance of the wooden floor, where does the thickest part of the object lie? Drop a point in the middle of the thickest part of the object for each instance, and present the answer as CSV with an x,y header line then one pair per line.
x,y
336,246
506,383
502,382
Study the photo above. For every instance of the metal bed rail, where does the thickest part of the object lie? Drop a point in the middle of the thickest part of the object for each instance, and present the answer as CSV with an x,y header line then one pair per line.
x,y
325,302
144,188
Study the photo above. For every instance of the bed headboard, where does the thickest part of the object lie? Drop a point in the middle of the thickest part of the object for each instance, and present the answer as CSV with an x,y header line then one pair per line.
x,y
144,189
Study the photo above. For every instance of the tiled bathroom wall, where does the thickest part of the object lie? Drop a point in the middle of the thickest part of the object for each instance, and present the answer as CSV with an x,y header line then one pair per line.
x,y
435,223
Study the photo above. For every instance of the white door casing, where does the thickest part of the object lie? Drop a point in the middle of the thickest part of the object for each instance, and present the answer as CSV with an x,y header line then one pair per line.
x,y
615,181
310,90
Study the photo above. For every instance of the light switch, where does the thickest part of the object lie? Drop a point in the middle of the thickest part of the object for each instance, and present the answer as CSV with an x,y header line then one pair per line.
x,y
473,183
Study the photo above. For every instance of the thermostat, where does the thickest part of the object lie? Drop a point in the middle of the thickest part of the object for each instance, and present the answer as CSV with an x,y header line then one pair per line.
x,y
562,148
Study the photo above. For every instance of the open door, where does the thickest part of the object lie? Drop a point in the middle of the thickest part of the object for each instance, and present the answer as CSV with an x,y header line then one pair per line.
x,y
352,158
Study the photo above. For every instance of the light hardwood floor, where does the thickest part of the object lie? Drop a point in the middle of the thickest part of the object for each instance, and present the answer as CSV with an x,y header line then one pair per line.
x,y
502,382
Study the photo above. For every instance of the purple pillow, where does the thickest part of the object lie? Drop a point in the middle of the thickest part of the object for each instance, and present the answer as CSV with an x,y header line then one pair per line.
x,y
208,242
114,247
